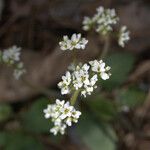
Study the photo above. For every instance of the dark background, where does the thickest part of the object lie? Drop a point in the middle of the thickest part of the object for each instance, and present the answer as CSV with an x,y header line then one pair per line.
x,y
120,112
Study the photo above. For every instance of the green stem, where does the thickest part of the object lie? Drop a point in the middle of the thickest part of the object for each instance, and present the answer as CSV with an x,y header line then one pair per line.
x,y
74,97
106,46
74,56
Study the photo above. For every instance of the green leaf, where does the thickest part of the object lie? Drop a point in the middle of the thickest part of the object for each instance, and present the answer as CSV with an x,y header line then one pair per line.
x,y
5,112
131,97
3,138
33,120
18,141
94,136
121,64
102,107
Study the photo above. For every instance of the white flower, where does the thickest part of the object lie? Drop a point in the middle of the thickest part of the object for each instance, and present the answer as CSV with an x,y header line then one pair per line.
x,y
90,86
101,68
19,70
76,115
62,115
123,36
102,21
11,55
88,23
64,84
125,108
71,67
85,67
83,79
57,121
100,10
58,128
66,111
76,42
60,103
105,19
93,80
65,44
80,76
67,79
48,111
69,121
104,75
75,39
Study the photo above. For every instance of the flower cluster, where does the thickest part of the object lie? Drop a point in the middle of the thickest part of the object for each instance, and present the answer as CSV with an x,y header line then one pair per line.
x,y
11,57
84,78
102,21
105,19
123,36
19,70
76,42
101,68
81,78
88,23
65,83
62,115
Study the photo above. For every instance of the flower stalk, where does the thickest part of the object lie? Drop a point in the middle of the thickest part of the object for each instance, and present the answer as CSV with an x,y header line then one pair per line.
x,y
74,97
106,46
